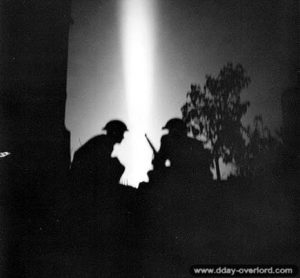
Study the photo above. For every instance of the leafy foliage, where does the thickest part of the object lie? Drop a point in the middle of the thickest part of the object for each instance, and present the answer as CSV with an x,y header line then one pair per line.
x,y
213,114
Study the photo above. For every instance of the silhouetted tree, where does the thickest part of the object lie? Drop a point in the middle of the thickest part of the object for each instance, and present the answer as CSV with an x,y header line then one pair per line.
x,y
213,114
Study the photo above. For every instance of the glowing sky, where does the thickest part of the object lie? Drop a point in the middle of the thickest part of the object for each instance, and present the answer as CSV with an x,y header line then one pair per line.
x,y
138,40
156,48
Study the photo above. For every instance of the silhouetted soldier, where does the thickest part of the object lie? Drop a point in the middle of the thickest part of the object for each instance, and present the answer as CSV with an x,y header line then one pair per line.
x,y
186,156
94,172
168,204
101,213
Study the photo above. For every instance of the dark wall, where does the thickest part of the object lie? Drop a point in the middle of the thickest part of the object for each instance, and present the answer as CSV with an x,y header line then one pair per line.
x,y
33,178
34,47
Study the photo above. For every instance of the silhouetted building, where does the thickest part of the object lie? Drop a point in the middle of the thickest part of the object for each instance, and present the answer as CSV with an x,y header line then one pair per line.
x,y
33,72
34,51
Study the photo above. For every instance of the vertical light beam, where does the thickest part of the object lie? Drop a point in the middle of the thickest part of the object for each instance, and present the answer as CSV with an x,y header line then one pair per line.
x,y
138,50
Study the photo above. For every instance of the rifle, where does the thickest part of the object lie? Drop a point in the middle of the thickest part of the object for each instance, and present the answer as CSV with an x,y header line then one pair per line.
x,y
151,145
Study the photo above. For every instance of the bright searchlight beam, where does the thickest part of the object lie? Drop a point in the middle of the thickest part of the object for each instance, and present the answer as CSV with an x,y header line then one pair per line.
x,y
138,50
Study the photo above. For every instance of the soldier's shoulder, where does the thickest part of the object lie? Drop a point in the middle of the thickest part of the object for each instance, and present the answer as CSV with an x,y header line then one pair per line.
x,y
166,140
193,142
197,145
90,144
96,139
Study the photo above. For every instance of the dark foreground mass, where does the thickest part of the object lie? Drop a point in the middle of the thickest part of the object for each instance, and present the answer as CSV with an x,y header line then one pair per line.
x,y
158,230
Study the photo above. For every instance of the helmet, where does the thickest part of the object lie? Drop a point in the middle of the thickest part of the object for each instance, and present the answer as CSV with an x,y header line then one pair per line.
x,y
175,124
115,125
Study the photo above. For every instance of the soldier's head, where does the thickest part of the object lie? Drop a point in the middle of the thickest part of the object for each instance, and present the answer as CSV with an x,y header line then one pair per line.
x,y
115,129
175,127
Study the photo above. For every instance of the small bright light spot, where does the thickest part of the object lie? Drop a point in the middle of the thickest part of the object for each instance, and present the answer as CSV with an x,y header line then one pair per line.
x,y
4,154
138,47
168,163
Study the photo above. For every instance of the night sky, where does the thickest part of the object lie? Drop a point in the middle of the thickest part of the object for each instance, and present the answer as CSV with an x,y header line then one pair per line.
x,y
189,39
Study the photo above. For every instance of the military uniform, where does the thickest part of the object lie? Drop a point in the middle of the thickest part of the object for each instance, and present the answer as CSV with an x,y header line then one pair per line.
x,y
93,169
186,156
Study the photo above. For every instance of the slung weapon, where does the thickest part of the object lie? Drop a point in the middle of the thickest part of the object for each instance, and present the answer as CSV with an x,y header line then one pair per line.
x,y
151,145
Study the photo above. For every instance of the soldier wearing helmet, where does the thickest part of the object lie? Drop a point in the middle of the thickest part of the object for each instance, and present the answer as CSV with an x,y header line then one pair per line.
x,y
94,172
186,156
175,125
115,131
169,143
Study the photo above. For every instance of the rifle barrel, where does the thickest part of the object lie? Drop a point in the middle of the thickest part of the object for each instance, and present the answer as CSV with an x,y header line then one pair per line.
x,y
150,144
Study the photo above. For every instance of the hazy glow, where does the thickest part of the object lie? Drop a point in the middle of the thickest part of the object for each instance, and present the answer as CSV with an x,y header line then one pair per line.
x,y
4,154
138,56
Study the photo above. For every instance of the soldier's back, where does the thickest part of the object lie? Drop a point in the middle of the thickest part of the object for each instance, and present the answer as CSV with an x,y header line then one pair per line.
x,y
188,154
